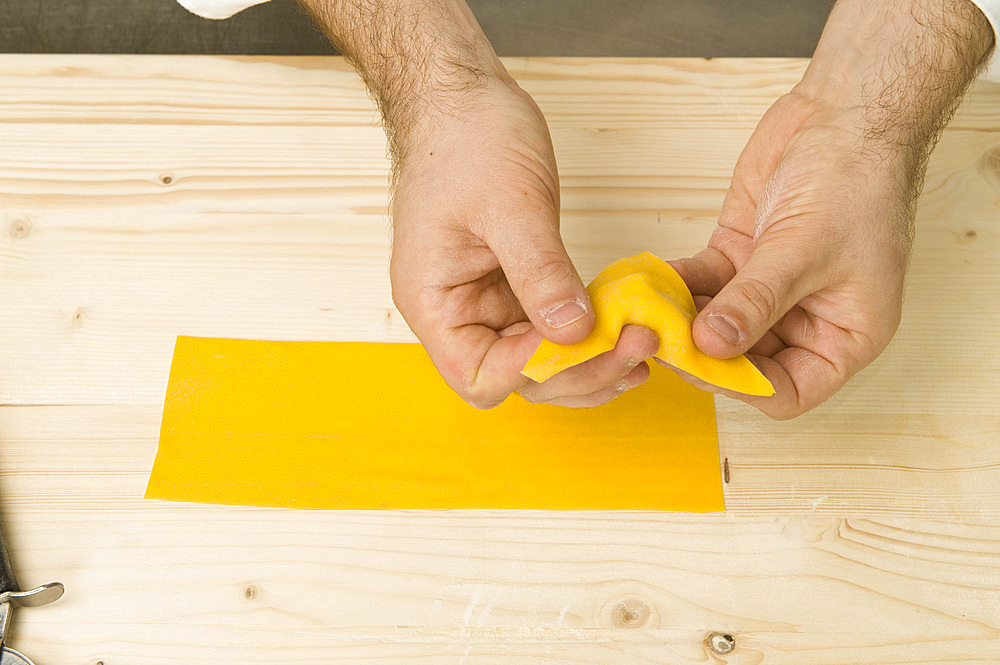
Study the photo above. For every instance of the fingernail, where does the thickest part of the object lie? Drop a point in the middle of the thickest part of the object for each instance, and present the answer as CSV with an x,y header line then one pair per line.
x,y
725,328
562,315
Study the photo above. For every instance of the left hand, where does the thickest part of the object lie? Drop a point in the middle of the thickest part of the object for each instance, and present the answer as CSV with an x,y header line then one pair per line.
x,y
478,268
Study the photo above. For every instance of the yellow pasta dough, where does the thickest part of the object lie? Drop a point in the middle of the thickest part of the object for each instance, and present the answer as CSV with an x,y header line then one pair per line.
x,y
354,425
646,291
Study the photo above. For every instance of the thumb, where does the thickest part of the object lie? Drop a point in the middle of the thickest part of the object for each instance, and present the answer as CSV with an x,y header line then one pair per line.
x,y
769,284
543,279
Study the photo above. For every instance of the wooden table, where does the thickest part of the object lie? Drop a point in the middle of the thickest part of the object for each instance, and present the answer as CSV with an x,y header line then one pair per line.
x,y
146,197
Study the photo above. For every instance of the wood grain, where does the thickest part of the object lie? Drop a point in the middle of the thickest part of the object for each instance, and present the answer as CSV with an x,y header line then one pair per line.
x,y
145,197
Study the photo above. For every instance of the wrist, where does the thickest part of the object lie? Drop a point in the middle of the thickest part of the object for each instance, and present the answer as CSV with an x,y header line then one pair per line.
x,y
421,61
429,88
868,46
898,70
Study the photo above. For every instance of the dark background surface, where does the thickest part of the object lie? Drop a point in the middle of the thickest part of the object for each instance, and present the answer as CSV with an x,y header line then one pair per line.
x,y
706,28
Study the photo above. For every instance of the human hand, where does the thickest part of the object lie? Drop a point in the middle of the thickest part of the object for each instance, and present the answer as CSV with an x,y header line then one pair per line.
x,y
805,268
478,268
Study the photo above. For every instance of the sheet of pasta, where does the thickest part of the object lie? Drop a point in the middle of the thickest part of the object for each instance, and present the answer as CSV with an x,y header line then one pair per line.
x,y
373,426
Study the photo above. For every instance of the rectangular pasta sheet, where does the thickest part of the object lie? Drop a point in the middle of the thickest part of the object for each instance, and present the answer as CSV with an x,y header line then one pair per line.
x,y
373,426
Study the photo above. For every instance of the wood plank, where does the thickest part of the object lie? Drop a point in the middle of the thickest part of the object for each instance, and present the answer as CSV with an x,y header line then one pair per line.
x,y
816,478
273,225
145,197
492,586
230,585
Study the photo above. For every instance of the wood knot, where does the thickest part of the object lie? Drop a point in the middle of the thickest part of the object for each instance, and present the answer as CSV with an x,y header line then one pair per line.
x,y
19,228
78,317
965,237
250,592
989,165
721,643
630,613
166,179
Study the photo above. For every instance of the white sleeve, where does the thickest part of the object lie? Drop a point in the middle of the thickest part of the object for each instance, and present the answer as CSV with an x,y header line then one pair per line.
x,y
219,8
991,8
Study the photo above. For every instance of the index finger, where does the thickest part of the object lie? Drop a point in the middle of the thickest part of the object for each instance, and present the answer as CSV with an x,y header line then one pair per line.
x,y
482,366
802,380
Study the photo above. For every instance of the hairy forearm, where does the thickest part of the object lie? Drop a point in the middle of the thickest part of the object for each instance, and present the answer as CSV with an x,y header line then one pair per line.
x,y
418,58
903,65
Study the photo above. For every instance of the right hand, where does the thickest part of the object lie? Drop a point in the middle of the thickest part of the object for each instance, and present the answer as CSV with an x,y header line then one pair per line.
x,y
479,270
805,268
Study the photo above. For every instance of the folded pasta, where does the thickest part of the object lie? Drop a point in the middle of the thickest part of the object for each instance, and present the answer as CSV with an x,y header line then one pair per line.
x,y
646,291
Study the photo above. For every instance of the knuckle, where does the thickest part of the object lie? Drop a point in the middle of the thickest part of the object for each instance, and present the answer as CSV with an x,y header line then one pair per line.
x,y
482,400
612,393
403,294
785,414
398,299
485,393
760,297
476,393
550,269
533,398
778,408
792,406
536,393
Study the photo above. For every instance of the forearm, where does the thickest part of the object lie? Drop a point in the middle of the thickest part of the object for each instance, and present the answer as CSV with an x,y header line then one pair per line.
x,y
903,65
418,57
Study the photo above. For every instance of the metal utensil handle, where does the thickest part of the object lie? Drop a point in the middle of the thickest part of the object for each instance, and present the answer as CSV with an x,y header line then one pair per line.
x,y
10,590
7,580
10,656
